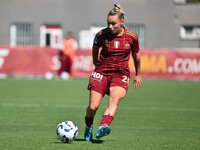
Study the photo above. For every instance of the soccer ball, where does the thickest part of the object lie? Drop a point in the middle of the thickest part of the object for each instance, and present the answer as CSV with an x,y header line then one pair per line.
x,y
67,131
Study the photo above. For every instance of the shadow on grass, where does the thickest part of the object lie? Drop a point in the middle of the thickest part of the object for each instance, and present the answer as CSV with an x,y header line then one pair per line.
x,y
80,140
93,141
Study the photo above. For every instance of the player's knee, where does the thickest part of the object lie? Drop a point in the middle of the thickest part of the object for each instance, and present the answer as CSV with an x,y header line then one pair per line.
x,y
93,107
116,99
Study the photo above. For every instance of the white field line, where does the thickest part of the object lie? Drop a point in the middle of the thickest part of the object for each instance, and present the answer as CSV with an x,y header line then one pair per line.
x,y
84,106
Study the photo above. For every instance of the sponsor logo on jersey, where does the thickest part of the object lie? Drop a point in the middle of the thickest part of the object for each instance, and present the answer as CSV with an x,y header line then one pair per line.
x,y
116,44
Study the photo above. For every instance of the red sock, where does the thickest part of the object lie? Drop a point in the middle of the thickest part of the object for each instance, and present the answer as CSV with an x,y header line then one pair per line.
x,y
106,120
89,121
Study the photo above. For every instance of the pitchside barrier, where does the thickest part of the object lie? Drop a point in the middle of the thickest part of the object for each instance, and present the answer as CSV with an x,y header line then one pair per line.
x,y
155,63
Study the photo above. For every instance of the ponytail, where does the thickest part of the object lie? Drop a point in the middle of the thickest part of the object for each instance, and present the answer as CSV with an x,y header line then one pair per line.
x,y
117,11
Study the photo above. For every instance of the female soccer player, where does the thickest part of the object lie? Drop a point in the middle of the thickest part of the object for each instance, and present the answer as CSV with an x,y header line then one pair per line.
x,y
111,73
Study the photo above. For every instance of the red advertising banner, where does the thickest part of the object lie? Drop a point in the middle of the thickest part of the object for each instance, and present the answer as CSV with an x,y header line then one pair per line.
x,y
28,60
155,63
170,64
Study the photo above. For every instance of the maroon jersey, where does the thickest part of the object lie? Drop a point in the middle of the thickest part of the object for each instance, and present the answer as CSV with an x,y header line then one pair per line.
x,y
115,53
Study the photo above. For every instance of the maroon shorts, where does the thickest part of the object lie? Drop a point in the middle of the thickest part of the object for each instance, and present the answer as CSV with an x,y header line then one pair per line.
x,y
101,83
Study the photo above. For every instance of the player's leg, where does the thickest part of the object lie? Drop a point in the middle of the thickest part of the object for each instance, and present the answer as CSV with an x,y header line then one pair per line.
x,y
95,99
116,94
63,60
98,86
68,65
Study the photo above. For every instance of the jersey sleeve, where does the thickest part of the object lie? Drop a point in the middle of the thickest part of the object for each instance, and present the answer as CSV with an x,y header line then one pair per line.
x,y
135,46
97,39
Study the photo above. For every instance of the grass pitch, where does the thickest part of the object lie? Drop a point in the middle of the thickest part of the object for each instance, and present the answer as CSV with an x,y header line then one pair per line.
x,y
161,115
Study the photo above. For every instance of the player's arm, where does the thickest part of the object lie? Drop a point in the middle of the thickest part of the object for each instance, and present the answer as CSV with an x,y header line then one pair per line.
x,y
137,79
96,46
95,54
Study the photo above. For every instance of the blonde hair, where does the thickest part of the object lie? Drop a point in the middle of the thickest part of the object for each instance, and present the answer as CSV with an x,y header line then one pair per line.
x,y
117,11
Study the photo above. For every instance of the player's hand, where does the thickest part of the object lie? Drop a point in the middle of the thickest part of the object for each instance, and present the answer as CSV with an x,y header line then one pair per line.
x,y
137,81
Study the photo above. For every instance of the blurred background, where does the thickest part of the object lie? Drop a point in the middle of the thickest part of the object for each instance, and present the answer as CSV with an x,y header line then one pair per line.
x,y
32,32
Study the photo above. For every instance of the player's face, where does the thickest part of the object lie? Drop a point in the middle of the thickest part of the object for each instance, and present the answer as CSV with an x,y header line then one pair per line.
x,y
114,24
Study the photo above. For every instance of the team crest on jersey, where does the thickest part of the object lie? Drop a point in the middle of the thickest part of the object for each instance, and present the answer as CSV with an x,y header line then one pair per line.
x,y
116,44
127,45
106,43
